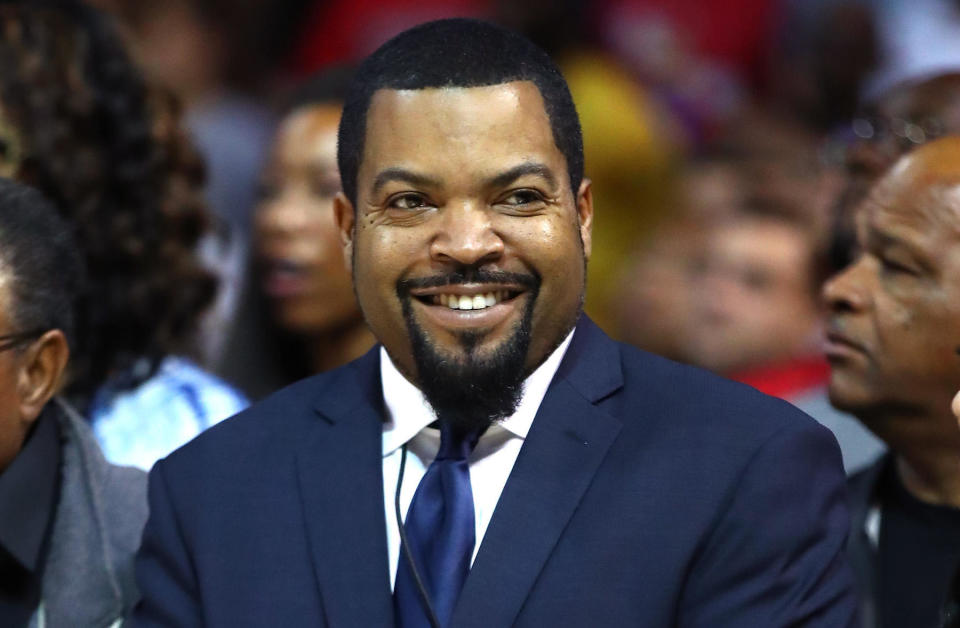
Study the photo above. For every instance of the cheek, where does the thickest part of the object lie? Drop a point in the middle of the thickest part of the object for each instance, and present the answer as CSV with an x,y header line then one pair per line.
x,y
921,334
557,256
382,256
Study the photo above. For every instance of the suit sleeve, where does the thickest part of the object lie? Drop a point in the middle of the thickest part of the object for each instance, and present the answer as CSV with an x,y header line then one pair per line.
x,y
164,570
776,555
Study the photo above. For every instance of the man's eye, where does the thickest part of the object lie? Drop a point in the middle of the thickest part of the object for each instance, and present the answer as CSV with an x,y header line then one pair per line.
x,y
523,197
890,266
407,201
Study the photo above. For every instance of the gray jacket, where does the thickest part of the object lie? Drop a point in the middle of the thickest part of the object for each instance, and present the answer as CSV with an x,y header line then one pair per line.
x,y
88,578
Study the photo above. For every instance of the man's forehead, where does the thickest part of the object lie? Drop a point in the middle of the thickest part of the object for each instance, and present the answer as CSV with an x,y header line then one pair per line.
x,y
924,209
482,101
486,124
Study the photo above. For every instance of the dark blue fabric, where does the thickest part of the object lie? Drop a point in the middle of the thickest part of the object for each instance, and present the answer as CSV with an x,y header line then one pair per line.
x,y
440,530
646,494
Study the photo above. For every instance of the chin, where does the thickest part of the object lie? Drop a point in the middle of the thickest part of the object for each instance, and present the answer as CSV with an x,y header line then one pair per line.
x,y
854,398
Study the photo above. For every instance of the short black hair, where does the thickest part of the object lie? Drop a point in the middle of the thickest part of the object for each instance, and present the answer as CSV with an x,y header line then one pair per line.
x,y
457,52
40,257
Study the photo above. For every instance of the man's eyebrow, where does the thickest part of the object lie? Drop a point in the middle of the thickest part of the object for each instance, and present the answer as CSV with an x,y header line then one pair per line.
x,y
881,239
403,175
506,178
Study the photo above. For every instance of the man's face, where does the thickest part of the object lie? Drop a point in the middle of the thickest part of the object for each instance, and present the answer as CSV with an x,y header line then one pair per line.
x,y
895,313
466,225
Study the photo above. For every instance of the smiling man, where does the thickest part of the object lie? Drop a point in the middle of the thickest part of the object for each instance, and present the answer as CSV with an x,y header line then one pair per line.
x,y
893,336
496,460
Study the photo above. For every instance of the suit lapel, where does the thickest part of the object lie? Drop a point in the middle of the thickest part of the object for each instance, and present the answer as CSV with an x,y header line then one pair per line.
x,y
340,469
566,444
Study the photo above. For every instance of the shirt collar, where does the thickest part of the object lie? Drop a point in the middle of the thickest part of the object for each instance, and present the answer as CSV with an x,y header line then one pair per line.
x,y
408,411
28,493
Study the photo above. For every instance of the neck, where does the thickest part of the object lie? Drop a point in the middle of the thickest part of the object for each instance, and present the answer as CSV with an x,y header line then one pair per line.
x,y
927,450
338,346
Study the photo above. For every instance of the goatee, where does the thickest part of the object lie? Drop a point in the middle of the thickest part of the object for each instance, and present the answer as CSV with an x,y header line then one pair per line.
x,y
473,391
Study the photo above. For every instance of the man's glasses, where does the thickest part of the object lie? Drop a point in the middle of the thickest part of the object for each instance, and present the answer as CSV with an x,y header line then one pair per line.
x,y
9,341
887,137
905,133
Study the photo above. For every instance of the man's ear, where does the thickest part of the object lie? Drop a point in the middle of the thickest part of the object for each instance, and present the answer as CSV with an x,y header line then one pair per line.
x,y
585,215
345,215
41,367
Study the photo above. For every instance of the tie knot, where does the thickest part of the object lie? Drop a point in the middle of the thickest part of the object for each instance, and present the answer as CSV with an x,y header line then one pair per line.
x,y
456,443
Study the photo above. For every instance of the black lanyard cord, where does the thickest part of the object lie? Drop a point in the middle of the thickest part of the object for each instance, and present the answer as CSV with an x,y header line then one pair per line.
x,y
405,545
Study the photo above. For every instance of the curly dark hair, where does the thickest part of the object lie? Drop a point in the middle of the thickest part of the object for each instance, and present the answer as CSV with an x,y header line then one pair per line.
x,y
111,155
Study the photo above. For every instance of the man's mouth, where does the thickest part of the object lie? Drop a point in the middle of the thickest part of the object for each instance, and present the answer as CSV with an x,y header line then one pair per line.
x,y
478,301
839,345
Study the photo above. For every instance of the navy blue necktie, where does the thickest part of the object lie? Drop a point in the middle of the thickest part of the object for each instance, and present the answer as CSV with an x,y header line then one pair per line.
x,y
440,533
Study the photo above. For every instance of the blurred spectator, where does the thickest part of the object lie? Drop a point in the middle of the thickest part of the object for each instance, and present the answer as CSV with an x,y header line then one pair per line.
x,y
71,522
757,302
80,125
300,315
893,333
757,308
195,49
908,115
655,309
757,210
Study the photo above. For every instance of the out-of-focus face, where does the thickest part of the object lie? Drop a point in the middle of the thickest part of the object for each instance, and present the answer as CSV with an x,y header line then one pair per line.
x,y
304,274
895,313
466,224
754,304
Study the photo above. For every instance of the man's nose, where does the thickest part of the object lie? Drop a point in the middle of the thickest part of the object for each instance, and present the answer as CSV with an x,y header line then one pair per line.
x,y
847,291
466,235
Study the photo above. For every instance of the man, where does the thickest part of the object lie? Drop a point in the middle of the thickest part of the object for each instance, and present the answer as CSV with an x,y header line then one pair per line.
x,y
604,487
69,522
893,335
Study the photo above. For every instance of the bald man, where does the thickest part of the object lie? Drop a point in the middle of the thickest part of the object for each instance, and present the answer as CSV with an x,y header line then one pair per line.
x,y
893,334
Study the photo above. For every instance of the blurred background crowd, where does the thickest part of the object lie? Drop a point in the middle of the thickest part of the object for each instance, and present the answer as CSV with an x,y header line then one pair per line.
x,y
190,146
728,143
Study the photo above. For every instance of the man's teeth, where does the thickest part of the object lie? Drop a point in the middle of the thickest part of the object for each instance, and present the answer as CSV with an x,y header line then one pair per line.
x,y
466,302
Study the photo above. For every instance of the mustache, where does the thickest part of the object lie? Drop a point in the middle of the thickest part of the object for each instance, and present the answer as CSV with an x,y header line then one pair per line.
x,y
529,281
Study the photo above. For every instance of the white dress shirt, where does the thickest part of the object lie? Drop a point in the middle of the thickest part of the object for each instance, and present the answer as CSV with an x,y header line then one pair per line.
x,y
409,414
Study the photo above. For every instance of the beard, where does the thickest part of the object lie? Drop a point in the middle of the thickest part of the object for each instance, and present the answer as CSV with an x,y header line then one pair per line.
x,y
472,392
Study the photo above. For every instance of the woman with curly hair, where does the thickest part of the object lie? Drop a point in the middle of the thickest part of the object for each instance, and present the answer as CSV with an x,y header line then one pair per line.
x,y
78,122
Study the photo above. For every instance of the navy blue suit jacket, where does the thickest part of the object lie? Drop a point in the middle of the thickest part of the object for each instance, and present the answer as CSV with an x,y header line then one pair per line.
x,y
647,493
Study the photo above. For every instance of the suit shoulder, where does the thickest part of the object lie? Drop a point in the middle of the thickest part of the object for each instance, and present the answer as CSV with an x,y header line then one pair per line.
x,y
696,397
274,421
